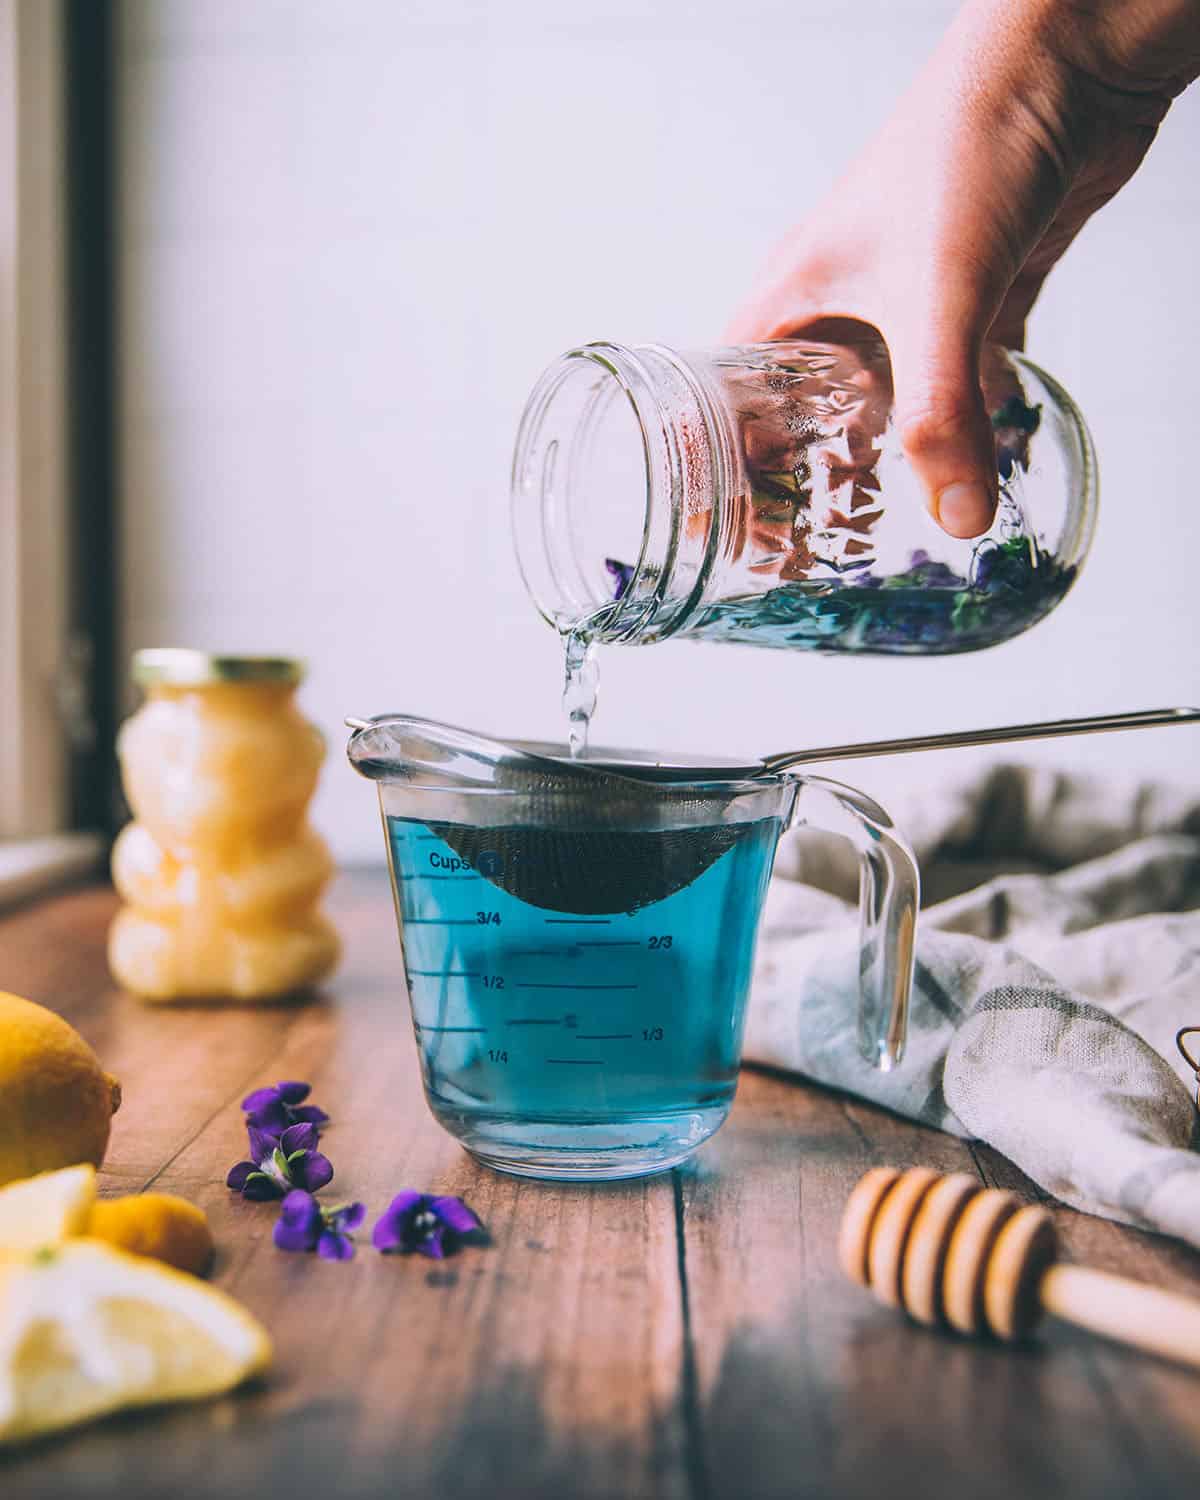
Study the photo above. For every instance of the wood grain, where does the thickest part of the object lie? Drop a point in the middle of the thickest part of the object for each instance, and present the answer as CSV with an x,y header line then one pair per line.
x,y
688,1336
806,1386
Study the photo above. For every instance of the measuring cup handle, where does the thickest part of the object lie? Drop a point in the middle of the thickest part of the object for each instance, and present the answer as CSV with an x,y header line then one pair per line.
x,y
888,893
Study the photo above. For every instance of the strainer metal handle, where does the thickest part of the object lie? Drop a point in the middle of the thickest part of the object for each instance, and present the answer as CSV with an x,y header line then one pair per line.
x,y
1146,718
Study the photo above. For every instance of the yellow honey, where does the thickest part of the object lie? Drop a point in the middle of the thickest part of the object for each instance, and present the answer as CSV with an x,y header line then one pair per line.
x,y
220,872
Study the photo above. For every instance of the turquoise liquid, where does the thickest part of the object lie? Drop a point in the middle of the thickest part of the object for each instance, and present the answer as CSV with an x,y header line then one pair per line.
x,y
543,1032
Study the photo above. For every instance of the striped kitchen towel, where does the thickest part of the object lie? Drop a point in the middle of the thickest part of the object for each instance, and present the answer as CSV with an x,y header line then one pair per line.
x,y
1058,954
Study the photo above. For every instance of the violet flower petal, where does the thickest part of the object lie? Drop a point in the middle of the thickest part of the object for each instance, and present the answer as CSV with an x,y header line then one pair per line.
x,y
431,1244
302,1137
299,1207
311,1171
260,1099
272,1120
310,1114
621,575
300,1222
350,1217
455,1215
238,1174
387,1233
292,1236
293,1093
259,1187
272,1110
262,1145
392,1230
334,1246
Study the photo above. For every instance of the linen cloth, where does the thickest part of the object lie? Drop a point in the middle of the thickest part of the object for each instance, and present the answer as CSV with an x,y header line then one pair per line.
x,y
1058,953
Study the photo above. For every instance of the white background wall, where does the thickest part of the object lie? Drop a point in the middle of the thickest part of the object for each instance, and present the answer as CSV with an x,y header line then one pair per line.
x,y
352,234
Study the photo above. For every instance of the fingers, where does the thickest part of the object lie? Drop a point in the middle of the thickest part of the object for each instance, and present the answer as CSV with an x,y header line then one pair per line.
x,y
934,329
943,422
939,410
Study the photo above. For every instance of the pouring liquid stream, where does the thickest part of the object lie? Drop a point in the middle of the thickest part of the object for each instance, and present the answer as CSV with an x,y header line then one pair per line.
x,y
581,672
581,681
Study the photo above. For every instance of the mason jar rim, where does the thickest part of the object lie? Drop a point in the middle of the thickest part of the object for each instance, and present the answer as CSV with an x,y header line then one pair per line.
x,y
646,608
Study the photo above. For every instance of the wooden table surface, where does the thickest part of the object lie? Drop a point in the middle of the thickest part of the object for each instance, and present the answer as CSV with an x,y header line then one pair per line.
x,y
687,1335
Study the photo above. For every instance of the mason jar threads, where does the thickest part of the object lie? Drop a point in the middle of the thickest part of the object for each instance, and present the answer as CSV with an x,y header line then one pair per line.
x,y
220,872
760,494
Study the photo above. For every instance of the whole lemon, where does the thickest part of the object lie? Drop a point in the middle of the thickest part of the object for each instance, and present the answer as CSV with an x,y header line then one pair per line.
x,y
160,1225
56,1101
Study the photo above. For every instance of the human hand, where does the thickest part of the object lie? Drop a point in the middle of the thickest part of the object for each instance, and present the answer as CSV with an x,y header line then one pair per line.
x,y
1029,116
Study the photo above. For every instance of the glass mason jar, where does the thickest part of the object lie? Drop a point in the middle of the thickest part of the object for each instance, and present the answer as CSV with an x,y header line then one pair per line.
x,y
760,494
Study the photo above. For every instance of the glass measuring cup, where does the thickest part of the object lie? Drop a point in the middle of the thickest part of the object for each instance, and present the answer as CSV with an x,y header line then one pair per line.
x,y
578,937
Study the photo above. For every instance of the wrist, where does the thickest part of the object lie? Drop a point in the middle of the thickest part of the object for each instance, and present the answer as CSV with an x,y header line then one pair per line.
x,y
1148,49
1086,80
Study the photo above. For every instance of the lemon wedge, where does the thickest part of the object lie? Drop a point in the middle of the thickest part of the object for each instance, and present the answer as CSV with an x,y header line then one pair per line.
x,y
45,1209
86,1330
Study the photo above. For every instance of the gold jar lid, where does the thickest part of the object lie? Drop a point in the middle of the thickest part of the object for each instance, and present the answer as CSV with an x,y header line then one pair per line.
x,y
177,666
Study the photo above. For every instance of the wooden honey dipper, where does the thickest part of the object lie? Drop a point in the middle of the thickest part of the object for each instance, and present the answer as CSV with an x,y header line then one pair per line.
x,y
947,1250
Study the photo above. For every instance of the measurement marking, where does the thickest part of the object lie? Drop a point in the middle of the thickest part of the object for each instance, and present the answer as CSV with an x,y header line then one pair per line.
x,y
440,877
445,973
523,986
530,1021
421,1026
576,1062
613,943
439,922
578,921
611,1036
537,952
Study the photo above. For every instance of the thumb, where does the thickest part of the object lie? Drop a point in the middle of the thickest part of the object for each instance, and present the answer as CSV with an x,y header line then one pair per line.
x,y
944,426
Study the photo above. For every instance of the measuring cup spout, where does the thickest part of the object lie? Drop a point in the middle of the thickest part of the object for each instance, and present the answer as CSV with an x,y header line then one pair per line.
x,y
889,893
394,746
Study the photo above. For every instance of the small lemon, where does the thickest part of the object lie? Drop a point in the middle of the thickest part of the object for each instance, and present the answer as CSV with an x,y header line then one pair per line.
x,y
56,1102
157,1224
86,1330
46,1209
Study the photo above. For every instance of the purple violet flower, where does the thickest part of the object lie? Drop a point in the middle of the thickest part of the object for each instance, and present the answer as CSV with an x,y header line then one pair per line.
x,y
431,1226
272,1110
621,574
304,1224
279,1164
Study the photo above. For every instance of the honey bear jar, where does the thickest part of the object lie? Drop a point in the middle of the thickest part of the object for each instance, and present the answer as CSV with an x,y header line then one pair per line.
x,y
220,871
